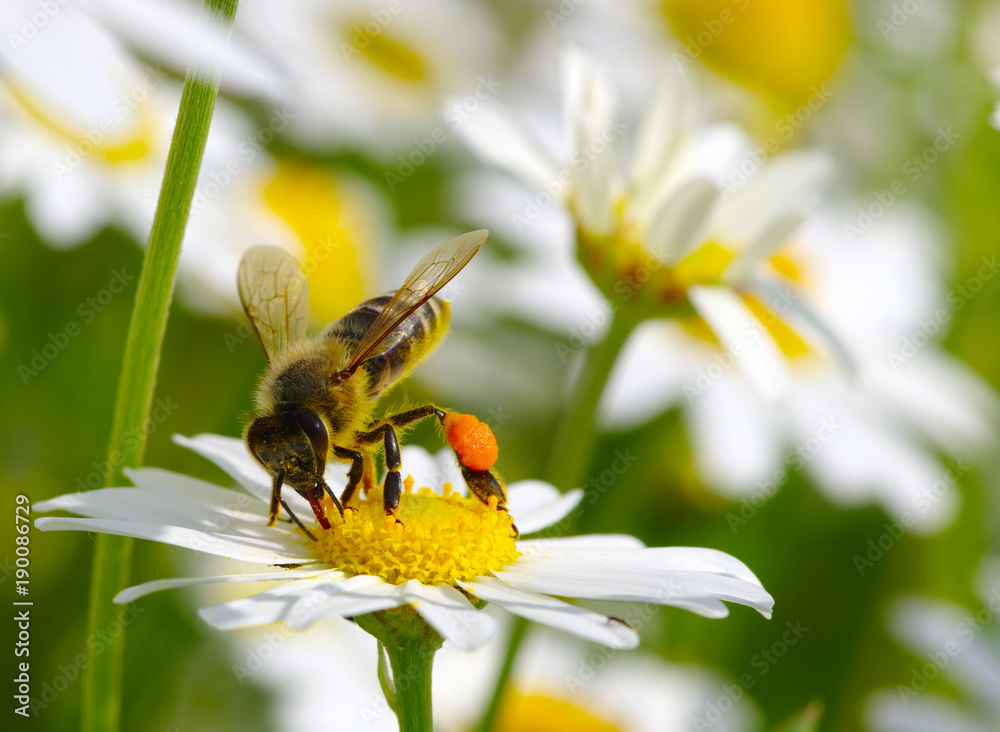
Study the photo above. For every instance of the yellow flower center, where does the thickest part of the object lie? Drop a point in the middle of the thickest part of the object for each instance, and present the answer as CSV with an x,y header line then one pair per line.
x,y
782,49
388,55
112,146
705,266
438,538
336,225
540,713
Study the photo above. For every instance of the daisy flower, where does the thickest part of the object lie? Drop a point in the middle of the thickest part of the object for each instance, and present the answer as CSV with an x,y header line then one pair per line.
x,y
668,236
371,73
86,132
85,128
785,338
953,643
875,437
448,552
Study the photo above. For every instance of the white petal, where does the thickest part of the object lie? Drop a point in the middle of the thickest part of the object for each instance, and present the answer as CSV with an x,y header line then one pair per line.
x,y
495,139
586,541
662,131
300,602
638,391
345,598
944,398
687,577
175,32
681,221
738,445
247,548
133,593
432,471
788,184
230,454
541,609
762,246
927,626
178,485
742,335
165,508
535,505
886,712
593,131
448,611
781,299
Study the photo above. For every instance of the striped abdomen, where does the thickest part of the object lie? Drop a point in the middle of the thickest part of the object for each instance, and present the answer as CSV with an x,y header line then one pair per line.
x,y
403,348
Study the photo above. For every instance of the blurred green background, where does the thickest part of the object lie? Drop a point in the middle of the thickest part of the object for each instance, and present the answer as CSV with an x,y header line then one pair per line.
x,y
54,431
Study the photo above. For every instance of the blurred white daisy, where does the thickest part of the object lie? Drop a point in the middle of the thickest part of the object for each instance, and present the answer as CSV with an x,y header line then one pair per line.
x,y
876,436
86,129
558,684
373,74
681,229
447,549
785,339
952,643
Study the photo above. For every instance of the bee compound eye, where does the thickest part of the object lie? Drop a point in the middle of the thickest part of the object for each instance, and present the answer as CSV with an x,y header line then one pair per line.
x,y
315,430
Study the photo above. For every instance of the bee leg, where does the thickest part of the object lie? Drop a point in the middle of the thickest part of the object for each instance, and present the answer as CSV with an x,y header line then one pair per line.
x,y
392,491
354,474
402,419
369,473
296,520
276,498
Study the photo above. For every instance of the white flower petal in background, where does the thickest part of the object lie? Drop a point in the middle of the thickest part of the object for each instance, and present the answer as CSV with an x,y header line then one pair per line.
x,y
949,641
370,74
554,684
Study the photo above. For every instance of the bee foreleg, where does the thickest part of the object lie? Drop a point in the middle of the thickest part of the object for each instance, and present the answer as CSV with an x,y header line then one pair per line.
x,y
296,520
276,498
354,474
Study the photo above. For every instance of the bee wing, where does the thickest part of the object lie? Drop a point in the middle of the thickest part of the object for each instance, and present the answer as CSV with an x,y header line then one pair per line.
x,y
431,274
275,295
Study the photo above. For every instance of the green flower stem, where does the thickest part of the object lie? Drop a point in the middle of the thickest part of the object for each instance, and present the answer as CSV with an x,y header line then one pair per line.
x,y
410,645
571,457
101,705
574,443
411,674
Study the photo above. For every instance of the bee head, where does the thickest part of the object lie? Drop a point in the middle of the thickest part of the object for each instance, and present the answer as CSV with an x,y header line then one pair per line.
x,y
292,445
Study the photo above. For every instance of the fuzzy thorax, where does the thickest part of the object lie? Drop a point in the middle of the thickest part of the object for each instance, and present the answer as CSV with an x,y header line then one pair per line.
x,y
437,539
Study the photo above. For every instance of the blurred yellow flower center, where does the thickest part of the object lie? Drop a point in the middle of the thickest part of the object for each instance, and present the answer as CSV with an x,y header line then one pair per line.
x,y
388,54
539,713
112,146
782,49
438,538
336,225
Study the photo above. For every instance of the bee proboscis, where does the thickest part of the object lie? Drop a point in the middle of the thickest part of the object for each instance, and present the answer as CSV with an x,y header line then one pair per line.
x,y
317,399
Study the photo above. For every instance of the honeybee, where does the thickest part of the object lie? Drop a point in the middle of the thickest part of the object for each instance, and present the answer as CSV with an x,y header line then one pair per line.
x,y
317,399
